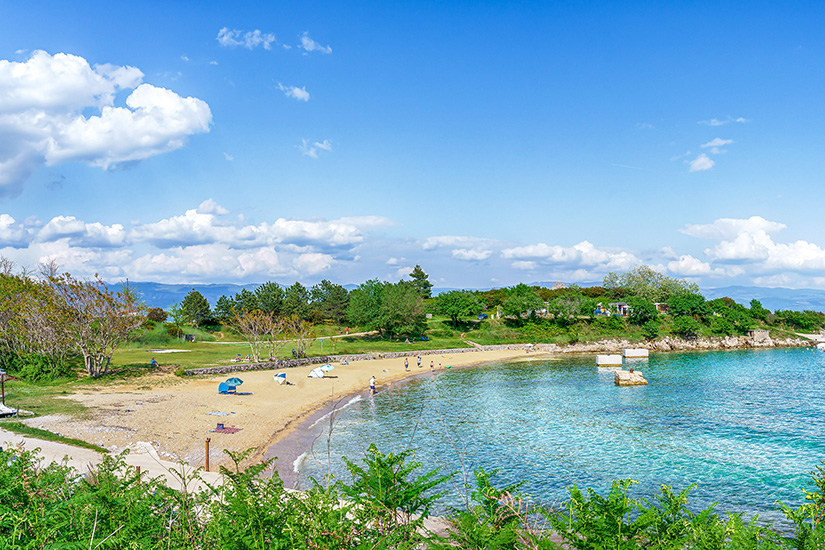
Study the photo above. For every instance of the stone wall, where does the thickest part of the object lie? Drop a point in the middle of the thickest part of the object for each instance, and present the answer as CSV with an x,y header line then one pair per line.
x,y
667,343
323,359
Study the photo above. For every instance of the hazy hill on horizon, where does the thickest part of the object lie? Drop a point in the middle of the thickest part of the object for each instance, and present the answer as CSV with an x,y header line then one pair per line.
x,y
164,295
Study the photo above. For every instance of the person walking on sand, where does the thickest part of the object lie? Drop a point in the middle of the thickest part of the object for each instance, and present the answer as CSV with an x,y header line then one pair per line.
x,y
419,361
406,364
372,385
431,366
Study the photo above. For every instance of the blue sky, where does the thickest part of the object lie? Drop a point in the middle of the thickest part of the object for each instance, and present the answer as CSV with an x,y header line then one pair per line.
x,y
492,143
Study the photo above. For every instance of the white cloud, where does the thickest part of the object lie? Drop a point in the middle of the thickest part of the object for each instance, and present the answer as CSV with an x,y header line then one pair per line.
x,y
581,254
688,266
310,148
718,142
249,40
209,206
729,228
294,92
312,263
526,265
12,233
701,163
47,116
202,244
228,157
722,122
184,58
471,254
310,45
395,261
81,234
751,242
453,241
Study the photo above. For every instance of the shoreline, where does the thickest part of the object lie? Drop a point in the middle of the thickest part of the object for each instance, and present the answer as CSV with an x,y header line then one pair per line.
x,y
174,418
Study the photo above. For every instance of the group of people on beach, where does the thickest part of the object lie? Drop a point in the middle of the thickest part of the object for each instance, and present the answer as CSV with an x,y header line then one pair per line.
x,y
407,369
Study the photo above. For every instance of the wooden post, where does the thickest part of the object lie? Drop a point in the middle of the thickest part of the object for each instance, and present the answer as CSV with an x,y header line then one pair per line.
x,y
207,453
3,386
138,473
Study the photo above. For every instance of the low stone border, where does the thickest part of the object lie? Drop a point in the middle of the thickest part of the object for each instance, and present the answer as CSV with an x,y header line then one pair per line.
x,y
665,344
322,359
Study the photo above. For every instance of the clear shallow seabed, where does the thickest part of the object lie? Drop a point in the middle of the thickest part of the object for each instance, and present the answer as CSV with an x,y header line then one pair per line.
x,y
746,427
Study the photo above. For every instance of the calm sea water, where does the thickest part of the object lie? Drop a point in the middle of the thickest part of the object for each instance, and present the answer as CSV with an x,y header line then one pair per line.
x,y
746,427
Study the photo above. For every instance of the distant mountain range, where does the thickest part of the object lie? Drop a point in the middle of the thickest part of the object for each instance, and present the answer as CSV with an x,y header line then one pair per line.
x,y
164,295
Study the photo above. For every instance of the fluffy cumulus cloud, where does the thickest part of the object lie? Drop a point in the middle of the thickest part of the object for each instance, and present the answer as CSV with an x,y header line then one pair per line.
x,y
202,244
470,249
58,108
751,243
309,45
701,163
301,94
248,39
583,254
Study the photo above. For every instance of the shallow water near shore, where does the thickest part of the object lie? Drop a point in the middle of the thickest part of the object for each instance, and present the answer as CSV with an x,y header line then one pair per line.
x,y
746,427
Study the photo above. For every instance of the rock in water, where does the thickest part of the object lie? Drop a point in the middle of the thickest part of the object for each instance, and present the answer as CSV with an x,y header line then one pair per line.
x,y
627,378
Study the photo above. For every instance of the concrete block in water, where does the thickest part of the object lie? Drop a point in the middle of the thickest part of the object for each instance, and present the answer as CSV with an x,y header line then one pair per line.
x,y
608,360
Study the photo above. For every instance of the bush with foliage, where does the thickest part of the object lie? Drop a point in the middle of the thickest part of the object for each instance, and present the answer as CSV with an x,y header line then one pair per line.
x,y
685,326
383,507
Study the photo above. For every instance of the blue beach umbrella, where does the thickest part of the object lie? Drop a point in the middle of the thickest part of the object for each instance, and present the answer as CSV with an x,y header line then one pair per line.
x,y
234,381
327,367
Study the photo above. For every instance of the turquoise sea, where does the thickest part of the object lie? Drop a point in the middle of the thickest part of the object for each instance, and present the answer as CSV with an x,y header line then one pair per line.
x,y
746,427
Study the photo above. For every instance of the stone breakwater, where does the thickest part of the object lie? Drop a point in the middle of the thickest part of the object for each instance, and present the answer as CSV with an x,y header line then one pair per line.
x,y
667,343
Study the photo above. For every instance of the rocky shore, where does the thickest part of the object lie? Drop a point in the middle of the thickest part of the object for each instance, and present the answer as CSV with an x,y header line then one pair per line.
x,y
670,343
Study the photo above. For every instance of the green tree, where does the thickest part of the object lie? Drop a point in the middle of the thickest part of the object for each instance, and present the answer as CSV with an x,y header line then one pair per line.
x,y
685,326
402,310
331,299
648,283
421,282
641,311
223,310
457,303
521,299
245,299
566,307
195,307
389,308
365,304
96,320
757,311
270,297
296,301
687,303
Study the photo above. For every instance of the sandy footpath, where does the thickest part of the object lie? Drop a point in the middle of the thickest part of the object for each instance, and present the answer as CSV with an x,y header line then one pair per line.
x,y
171,413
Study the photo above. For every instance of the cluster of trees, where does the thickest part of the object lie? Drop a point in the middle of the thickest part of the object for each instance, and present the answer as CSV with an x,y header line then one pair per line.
x,y
325,301
645,291
48,321
390,308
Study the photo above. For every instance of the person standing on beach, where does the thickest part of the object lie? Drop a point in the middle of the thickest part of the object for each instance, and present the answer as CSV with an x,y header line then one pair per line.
x,y
372,385
406,364
431,366
419,361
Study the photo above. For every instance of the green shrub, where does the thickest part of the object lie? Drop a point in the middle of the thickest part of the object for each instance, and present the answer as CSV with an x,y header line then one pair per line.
x,y
685,326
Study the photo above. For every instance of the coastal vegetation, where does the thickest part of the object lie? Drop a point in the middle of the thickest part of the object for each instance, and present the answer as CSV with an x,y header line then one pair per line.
x,y
54,326
384,504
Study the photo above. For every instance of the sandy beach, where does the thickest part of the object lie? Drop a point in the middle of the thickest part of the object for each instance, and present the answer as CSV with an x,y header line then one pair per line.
x,y
172,414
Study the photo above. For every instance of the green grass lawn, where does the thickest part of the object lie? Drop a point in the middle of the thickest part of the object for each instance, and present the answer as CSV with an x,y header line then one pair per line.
x,y
37,433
